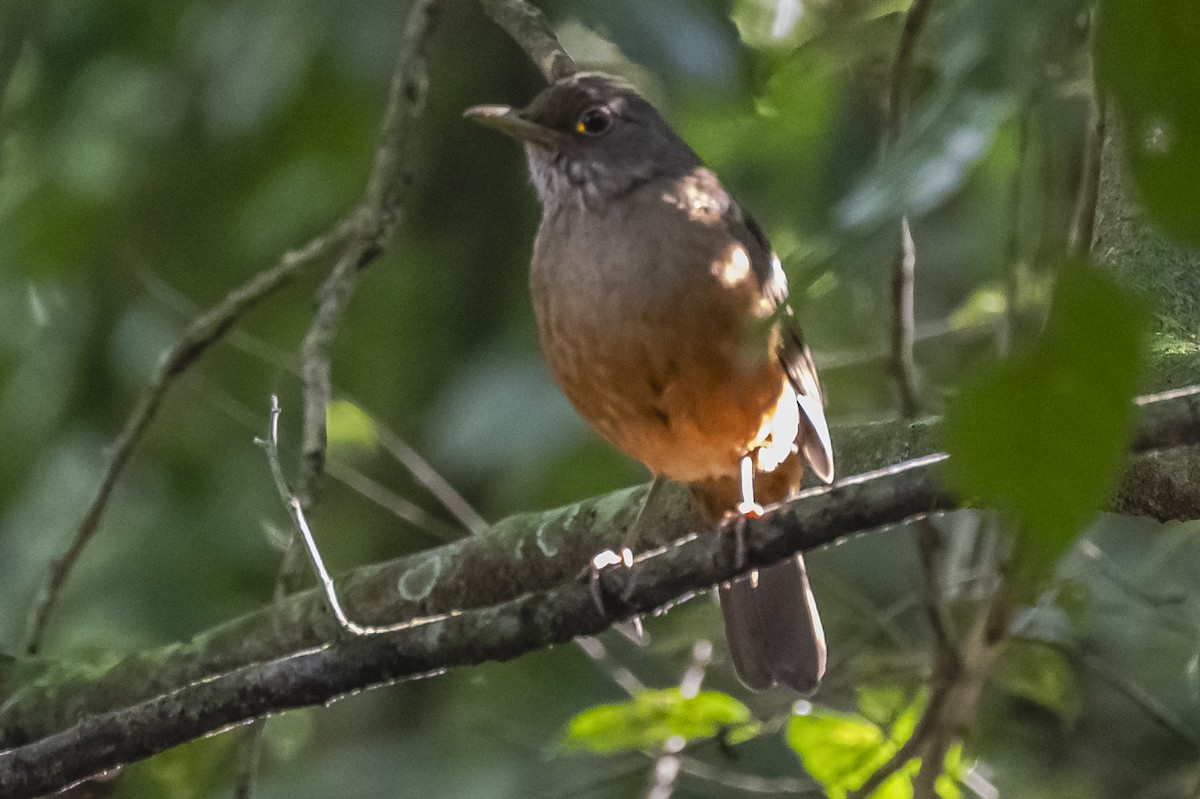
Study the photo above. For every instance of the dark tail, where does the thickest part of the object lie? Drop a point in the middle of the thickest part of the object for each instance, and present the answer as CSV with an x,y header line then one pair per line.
x,y
773,629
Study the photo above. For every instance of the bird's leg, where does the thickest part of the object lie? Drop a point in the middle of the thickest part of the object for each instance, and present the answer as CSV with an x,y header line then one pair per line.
x,y
748,508
623,557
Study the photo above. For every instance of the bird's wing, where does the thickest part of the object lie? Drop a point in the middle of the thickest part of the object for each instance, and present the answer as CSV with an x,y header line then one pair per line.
x,y
791,350
797,362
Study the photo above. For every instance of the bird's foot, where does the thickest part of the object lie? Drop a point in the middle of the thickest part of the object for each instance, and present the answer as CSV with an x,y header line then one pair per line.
x,y
750,509
600,563
746,509
735,523
603,561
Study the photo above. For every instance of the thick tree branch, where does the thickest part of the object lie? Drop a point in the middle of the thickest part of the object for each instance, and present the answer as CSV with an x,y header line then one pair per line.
x,y
492,597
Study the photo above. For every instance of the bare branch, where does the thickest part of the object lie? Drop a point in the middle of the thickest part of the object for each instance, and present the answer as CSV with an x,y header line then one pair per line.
x,y
749,783
527,26
375,222
929,543
619,674
427,476
491,597
487,597
199,336
1083,221
420,469
902,68
372,490
903,363
958,679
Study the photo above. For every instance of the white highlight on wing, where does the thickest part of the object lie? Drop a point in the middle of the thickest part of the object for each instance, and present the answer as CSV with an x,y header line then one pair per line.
x,y
776,439
733,268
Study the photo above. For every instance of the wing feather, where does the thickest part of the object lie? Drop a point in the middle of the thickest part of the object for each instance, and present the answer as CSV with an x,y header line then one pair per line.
x,y
791,350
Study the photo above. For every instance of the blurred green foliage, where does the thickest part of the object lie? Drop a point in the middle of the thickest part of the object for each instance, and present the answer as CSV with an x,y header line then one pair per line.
x,y
842,750
156,155
656,720
1147,59
1042,435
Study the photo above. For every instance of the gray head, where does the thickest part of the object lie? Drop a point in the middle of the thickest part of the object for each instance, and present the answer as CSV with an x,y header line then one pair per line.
x,y
590,138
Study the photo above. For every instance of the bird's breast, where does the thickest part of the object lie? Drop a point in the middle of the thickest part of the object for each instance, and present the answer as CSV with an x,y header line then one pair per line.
x,y
648,324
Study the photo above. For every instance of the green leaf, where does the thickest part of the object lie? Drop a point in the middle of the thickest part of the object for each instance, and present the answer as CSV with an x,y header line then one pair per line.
x,y
947,783
984,306
1040,674
348,425
839,750
842,750
1148,57
883,704
1041,436
651,718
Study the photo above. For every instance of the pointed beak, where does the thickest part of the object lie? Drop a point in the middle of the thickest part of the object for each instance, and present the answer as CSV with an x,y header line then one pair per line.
x,y
507,119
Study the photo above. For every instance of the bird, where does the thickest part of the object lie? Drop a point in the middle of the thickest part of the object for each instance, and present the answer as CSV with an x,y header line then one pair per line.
x,y
662,312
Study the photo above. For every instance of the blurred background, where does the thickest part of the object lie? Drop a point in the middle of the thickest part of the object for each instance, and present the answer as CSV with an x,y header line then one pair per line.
x,y
156,155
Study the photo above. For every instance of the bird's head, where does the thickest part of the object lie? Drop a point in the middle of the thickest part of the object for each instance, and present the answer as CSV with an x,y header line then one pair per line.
x,y
590,137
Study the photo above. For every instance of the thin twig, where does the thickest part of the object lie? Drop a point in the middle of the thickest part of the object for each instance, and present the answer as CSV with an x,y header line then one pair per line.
x,y
956,684
348,475
1151,705
693,677
271,444
376,220
1007,328
933,763
907,750
197,338
371,489
620,674
429,477
527,26
249,760
1087,196
1083,222
403,452
296,511
929,544
664,776
747,783
902,68
923,332
903,363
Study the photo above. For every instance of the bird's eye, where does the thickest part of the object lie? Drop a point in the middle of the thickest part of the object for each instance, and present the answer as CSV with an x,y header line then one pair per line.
x,y
594,122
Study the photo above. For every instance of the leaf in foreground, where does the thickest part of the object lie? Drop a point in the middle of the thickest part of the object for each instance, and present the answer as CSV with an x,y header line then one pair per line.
x,y
650,719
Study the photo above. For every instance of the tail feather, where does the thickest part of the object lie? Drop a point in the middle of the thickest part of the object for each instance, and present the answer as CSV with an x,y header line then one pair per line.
x,y
773,628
